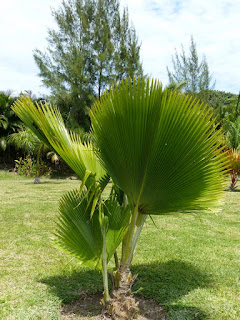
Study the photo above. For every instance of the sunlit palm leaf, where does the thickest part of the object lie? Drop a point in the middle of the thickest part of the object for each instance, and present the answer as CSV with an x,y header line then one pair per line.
x,y
159,146
76,232
25,139
47,123
29,114
80,234
118,218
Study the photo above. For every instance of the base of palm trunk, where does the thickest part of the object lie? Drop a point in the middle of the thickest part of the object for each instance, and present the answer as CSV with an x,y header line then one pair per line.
x,y
123,305
37,180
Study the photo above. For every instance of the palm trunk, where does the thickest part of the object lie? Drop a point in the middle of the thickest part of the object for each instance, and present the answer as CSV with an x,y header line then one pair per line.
x,y
39,153
123,304
38,164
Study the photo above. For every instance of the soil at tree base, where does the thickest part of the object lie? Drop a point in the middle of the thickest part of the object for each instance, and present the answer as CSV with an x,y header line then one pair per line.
x,y
89,308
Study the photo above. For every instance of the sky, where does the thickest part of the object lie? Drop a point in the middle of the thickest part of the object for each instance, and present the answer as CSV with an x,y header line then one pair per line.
x,y
161,25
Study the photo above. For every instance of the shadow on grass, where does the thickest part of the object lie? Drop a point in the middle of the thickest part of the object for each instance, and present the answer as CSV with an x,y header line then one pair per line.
x,y
80,292
228,190
165,283
168,282
69,287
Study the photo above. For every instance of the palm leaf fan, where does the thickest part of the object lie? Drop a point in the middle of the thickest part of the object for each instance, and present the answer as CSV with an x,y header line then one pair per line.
x,y
159,146
47,123
79,233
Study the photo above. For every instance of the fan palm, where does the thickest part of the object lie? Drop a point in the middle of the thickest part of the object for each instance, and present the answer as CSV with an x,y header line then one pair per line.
x,y
162,152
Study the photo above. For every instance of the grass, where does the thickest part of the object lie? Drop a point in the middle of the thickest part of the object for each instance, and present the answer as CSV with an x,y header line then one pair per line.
x,y
190,264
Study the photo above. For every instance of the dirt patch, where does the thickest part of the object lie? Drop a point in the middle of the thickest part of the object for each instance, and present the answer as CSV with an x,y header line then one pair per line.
x,y
89,308
150,310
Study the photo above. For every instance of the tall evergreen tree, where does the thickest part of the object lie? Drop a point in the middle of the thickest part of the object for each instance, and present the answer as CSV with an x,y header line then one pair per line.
x,y
92,47
191,70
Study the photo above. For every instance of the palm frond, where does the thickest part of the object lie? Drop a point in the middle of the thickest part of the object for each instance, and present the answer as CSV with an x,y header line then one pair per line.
x,y
25,139
47,123
76,232
29,114
79,233
118,218
159,146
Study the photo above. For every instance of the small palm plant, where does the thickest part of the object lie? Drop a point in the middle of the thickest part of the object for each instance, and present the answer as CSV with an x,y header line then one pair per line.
x,y
163,155
232,135
234,167
26,140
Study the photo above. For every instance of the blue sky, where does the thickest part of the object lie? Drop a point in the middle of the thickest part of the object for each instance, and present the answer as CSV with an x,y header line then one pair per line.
x,y
161,25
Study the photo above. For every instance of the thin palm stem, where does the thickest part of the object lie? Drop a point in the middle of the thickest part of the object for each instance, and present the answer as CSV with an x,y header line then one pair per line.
x,y
140,222
126,248
104,267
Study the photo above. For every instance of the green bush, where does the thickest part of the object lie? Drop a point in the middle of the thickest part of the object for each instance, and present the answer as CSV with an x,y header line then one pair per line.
x,y
27,167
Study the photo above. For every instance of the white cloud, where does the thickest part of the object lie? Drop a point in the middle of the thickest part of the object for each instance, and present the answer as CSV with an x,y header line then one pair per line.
x,y
162,26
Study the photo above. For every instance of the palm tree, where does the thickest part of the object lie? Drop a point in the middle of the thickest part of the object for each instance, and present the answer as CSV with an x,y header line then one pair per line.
x,y
163,154
234,166
232,135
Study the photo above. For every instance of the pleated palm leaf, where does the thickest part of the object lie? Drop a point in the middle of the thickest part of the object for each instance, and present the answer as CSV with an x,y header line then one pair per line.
x,y
161,148
47,123
80,233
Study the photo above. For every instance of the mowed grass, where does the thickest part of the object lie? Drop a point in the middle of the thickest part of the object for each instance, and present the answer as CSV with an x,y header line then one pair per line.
x,y
189,263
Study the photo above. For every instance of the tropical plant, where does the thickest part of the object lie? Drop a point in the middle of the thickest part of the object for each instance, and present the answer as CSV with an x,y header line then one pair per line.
x,y
9,123
27,166
234,168
163,154
233,134
27,141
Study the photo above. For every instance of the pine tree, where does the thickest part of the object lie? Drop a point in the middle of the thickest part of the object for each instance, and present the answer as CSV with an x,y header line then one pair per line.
x,y
127,53
189,69
92,47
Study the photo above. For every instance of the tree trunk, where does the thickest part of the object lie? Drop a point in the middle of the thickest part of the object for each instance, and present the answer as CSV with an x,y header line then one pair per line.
x,y
123,305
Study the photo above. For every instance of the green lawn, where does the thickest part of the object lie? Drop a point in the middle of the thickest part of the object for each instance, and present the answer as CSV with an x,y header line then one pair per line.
x,y
190,264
